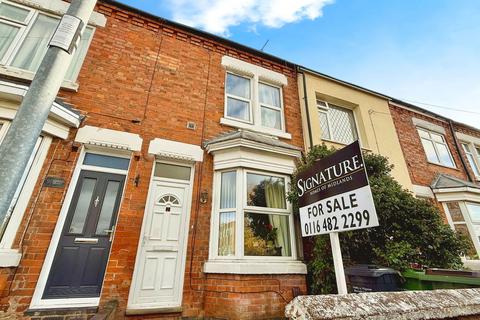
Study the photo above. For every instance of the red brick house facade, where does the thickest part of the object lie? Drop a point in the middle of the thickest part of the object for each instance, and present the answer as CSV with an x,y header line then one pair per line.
x,y
163,122
443,159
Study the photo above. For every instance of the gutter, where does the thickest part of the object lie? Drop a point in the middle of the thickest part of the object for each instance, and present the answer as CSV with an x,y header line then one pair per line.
x,y
305,99
322,75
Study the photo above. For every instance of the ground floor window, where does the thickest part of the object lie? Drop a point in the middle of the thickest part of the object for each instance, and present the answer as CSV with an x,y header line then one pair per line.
x,y
465,219
254,218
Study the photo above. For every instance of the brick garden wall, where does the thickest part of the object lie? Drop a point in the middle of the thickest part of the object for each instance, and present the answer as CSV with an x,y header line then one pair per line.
x,y
150,79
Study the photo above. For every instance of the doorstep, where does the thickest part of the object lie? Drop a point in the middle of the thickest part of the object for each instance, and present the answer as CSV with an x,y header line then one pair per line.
x,y
140,311
60,311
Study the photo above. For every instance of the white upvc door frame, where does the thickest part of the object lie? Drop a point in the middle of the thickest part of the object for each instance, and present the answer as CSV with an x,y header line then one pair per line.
x,y
145,308
37,301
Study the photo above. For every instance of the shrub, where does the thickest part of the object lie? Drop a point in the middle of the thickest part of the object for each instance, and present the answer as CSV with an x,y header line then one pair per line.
x,y
411,230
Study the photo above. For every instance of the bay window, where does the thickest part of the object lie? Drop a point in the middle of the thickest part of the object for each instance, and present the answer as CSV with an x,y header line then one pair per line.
x,y
26,33
464,217
254,218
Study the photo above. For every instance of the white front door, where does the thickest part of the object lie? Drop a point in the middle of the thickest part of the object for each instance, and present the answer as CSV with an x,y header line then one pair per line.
x,y
160,264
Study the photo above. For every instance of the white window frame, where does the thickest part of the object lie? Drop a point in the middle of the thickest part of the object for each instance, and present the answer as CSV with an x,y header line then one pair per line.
x,y
325,109
257,75
9,256
475,156
241,207
250,101
434,143
24,29
268,106
466,221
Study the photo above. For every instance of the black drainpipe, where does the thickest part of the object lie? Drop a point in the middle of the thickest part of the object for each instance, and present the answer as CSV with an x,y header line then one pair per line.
x,y
459,150
306,108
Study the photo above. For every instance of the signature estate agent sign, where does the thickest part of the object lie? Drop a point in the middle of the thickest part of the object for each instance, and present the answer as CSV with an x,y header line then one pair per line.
x,y
334,194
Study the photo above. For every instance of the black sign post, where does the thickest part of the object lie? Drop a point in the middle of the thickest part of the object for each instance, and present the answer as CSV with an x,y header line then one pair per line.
x,y
335,196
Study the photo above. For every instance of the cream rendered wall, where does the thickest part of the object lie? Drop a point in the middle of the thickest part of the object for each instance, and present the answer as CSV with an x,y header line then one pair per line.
x,y
373,119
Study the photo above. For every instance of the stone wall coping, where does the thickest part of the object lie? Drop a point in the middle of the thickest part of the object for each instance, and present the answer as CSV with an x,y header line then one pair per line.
x,y
411,305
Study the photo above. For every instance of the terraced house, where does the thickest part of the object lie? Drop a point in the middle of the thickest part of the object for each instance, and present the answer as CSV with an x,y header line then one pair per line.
x,y
159,181
157,188
443,160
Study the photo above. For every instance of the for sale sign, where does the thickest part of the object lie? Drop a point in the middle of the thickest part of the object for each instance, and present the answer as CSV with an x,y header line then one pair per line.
x,y
334,194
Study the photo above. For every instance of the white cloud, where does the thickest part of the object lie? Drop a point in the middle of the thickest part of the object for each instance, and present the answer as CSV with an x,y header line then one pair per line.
x,y
217,16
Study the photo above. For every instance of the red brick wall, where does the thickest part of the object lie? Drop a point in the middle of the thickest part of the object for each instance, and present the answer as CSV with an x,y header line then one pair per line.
x,y
123,86
421,171
255,296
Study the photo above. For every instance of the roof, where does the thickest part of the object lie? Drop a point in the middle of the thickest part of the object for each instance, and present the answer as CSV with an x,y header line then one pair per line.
x,y
251,136
445,181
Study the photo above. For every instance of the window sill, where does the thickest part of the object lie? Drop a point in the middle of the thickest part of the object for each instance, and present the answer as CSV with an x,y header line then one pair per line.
x,y
242,125
443,166
9,258
28,76
254,267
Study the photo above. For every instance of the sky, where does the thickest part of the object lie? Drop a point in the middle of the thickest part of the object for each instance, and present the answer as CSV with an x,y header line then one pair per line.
x,y
424,52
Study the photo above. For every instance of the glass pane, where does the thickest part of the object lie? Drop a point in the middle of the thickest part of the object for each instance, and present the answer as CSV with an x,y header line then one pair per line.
x,y
463,229
8,33
35,44
271,118
101,160
269,95
455,211
473,165
79,55
430,151
324,125
83,203
423,134
226,234
474,212
437,137
266,235
342,124
321,104
171,171
107,207
478,151
465,148
265,191
238,109
228,190
238,86
12,12
444,155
